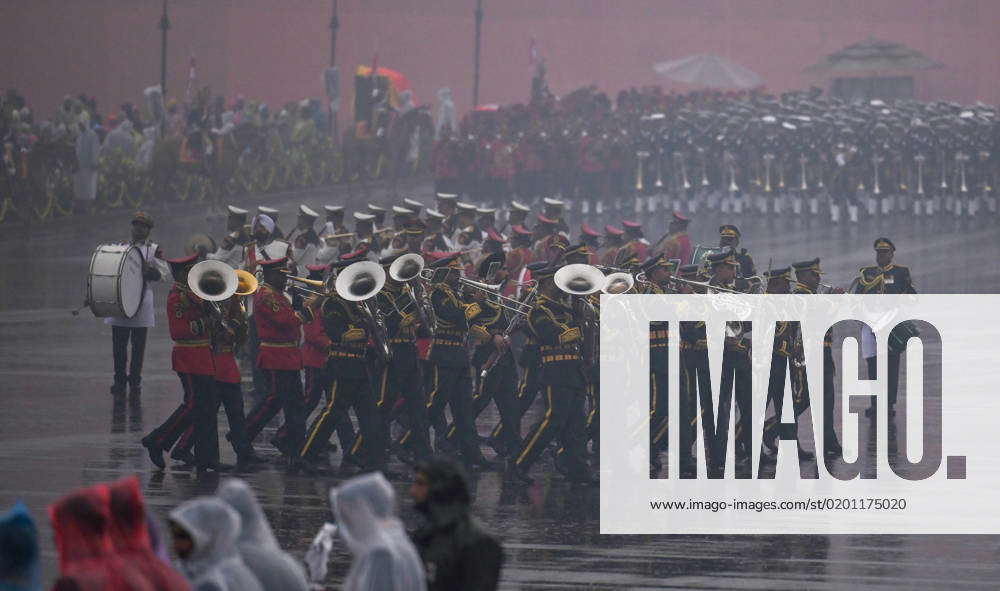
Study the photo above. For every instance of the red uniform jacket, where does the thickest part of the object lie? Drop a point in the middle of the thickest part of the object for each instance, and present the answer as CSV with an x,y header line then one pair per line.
x,y
610,255
517,258
587,158
188,329
638,247
678,246
279,328
315,344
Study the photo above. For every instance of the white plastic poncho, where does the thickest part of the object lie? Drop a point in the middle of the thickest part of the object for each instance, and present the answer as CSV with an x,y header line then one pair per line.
x,y
215,563
446,112
384,557
275,569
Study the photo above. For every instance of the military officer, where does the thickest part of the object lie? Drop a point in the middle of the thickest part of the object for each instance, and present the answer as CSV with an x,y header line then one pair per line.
x,y
304,240
729,235
884,277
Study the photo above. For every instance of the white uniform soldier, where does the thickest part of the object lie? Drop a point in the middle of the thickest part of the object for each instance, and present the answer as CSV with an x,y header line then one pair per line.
x,y
134,329
304,240
232,248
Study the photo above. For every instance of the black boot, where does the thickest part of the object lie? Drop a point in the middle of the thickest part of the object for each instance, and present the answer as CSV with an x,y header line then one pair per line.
x,y
118,388
155,453
134,385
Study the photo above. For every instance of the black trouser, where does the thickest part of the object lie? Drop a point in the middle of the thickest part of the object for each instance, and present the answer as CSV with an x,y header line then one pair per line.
x,y
346,393
829,435
776,393
452,387
284,393
563,421
230,397
659,401
696,384
260,380
893,377
198,410
404,382
736,383
120,336
527,390
594,411
498,386
317,385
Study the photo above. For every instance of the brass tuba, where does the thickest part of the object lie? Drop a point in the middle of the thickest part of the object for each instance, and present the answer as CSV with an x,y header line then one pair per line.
x,y
359,283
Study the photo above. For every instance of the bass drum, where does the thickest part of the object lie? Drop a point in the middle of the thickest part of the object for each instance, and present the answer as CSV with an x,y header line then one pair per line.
x,y
115,285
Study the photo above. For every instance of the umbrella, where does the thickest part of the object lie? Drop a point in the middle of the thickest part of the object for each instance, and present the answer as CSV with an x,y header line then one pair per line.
x,y
708,70
873,55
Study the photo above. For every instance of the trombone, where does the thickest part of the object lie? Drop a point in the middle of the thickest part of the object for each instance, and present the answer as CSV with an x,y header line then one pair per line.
x,y
705,285
508,303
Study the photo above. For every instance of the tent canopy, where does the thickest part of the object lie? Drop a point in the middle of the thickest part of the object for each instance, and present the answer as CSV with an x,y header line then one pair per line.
x,y
873,55
708,70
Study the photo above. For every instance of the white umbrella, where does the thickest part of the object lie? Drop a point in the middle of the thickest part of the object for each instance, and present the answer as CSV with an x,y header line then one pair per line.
x,y
708,70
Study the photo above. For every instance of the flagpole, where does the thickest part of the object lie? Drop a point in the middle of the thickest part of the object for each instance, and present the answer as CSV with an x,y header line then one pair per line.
x,y
164,26
479,30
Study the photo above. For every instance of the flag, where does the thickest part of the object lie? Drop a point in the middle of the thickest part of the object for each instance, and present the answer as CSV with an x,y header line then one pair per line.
x,y
532,52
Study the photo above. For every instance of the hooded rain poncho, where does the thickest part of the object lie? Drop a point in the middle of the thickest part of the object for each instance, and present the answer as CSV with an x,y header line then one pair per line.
x,y
19,558
215,563
275,569
384,557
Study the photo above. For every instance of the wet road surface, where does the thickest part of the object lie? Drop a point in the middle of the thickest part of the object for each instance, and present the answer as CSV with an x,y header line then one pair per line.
x,y
59,427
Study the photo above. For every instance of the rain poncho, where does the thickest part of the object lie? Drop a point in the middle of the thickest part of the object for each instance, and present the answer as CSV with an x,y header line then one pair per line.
x,y
275,569
19,566
121,141
80,522
457,553
384,557
130,537
446,112
215,563
88,147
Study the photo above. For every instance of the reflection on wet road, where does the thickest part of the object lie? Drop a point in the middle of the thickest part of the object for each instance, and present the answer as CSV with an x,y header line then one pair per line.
x,y
60,429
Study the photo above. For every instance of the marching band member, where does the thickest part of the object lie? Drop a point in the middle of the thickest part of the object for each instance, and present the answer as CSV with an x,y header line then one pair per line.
x,y
303,239
134,329
193,362
676,244
591,238
634,240
276,233
232,248
729,236
400,378
561,376
350,385
334,223
450,381
435,240
378,212
613,241
807,280
518,258
518,214
364,233
658,270
736,368
279,357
